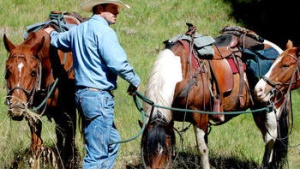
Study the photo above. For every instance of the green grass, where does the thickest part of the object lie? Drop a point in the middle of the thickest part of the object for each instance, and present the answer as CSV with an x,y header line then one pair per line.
x,y
141,31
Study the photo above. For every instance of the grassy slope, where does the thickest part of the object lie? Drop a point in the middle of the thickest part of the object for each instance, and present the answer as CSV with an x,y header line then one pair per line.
x,y
141,30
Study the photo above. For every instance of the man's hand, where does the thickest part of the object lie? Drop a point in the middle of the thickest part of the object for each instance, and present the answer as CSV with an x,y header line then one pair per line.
x,y
132,89
49,29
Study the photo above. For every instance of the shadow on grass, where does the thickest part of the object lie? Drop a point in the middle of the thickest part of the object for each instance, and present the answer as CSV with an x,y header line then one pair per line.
x,y
192,161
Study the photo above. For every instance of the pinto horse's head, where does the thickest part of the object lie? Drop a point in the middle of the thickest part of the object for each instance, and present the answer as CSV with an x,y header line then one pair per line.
x,y
284,73
21,74
158,142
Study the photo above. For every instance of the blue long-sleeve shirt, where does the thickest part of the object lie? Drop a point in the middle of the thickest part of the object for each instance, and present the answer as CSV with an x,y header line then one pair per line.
x,y
98,57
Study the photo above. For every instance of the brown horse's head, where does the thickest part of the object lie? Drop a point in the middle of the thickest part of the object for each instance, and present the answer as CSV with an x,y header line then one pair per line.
x,y
158,142
22,74
283,73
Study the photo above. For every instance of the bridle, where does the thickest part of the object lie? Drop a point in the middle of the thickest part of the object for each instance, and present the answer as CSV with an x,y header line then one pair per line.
x,y
158,118
285,99
277,86
28,92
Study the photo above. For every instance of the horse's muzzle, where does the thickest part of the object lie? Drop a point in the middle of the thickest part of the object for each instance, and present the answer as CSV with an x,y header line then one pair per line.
x,y
16,111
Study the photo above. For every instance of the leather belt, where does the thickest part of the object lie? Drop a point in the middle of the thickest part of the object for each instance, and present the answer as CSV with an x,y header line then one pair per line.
x,y
93,89
89,88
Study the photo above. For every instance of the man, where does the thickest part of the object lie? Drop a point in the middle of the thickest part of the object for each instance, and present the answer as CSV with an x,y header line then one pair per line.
x,y
98,60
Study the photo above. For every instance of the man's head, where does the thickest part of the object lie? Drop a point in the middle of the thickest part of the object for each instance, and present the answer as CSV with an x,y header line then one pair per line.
x,y
108,9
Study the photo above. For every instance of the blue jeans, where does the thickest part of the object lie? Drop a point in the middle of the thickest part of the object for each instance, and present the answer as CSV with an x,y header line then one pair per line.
x,y
97,107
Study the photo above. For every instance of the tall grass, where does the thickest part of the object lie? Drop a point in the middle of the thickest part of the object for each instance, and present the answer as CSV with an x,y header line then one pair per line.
x,y
141,31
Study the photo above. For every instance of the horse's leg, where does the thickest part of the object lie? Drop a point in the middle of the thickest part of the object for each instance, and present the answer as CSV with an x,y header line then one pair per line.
x,y
65,133
36,142
266,122
68,95
202,147
70,147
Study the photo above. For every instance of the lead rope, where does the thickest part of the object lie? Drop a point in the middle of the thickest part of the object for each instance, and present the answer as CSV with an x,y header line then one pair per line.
x,y
141,110
288,101
285,102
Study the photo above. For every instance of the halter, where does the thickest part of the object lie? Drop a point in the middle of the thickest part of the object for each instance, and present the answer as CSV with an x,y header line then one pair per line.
x,y
158,118
30,92
277,86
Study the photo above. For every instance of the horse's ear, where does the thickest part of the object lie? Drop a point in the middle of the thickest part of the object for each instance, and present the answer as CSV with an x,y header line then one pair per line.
x,y
298,51
38,46
289,44
9,46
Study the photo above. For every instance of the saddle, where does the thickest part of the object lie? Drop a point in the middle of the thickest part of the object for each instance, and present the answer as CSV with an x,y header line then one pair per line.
x,y
230,47
226,46
59,21
224,57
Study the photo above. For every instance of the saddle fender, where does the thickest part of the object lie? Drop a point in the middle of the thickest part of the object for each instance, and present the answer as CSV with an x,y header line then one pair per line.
x,y
223,75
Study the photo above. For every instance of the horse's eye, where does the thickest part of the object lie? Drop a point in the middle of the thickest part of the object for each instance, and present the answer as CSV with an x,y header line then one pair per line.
x,y
7,74
33,73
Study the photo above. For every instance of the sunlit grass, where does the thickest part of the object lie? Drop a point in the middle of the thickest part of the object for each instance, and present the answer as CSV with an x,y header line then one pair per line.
x,y
141,31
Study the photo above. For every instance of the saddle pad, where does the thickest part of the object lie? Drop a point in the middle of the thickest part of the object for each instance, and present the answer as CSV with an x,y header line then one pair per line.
x,y
233,66
203,43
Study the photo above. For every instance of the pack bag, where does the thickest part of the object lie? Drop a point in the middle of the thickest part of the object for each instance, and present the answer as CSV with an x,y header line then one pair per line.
x,y
258,62
257,59
202,43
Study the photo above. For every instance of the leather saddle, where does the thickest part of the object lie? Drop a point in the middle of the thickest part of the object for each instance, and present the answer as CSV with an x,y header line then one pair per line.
x,y
225,47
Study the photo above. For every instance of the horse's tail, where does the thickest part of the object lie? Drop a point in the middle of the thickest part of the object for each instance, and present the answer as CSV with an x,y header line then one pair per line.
x,y
280,149
80,125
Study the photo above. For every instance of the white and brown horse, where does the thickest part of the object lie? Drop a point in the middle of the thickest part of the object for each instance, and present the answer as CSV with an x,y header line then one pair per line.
x,y
181,80
277,84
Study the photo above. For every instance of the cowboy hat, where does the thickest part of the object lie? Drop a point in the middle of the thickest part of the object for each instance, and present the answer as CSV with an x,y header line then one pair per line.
x,y
88,5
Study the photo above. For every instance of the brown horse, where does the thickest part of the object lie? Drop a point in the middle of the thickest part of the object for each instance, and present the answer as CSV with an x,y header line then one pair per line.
x,y
282,77
40,81
183,85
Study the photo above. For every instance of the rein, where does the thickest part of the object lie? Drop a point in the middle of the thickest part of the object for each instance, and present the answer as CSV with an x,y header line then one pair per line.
x,y
141,110
287,96
150,102
51,88
29,93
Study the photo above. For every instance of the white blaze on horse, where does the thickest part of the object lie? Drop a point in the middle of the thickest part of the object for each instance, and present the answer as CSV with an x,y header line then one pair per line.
x,y
40,82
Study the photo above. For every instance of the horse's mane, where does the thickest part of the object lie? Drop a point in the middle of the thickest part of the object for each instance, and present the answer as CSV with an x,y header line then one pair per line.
x,y
162,82
31,36
34,37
